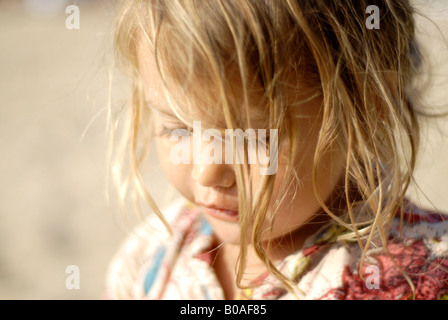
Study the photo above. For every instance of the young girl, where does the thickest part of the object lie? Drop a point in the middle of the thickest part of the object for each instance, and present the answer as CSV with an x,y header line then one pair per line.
x,y
331,101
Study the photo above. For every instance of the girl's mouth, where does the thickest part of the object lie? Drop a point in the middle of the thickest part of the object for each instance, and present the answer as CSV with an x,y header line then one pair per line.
x,y
222,214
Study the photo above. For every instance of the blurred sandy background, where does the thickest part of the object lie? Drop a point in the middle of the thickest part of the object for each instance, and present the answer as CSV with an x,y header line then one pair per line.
x,y
53,94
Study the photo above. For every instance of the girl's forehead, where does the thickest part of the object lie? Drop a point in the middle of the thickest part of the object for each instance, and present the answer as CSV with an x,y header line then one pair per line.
x,y
205,106
203,103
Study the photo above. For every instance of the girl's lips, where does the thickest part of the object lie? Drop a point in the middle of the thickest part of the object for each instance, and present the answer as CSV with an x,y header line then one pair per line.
x,y
222,214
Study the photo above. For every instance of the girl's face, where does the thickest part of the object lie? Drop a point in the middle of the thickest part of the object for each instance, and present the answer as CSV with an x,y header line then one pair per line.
x,y
213,186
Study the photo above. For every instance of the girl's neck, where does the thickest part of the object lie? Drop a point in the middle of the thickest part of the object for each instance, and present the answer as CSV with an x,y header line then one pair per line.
x,y
226,260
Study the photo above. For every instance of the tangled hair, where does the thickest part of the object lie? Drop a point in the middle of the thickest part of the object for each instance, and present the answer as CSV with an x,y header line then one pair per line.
x,y
364,77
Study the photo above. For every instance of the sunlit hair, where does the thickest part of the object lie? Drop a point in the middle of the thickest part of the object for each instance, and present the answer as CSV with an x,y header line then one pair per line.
x,y
364,78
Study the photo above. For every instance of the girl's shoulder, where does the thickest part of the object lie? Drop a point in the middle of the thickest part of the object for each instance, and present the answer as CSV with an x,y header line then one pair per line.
x,y
414,264
414,222
148,251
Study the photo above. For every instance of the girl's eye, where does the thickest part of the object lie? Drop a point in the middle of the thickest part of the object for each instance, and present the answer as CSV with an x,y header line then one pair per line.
x,y
268,138
167,132
265,139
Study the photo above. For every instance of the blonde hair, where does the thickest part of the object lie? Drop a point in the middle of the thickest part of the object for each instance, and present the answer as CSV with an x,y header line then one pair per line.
x,y
365,78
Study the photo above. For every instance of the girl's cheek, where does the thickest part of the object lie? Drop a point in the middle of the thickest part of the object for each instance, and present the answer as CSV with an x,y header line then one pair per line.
x,y
177,174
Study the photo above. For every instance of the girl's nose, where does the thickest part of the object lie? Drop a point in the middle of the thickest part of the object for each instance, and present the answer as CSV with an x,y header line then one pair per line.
x,y
214,175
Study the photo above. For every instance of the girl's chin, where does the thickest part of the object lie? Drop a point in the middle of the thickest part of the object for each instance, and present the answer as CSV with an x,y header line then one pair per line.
x,y
224,231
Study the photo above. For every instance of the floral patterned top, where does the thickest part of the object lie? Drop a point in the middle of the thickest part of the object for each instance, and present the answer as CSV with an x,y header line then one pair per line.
x,y
151,264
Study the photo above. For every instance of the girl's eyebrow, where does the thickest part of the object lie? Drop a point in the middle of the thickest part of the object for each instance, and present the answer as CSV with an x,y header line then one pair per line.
x,y
257,116
159,109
